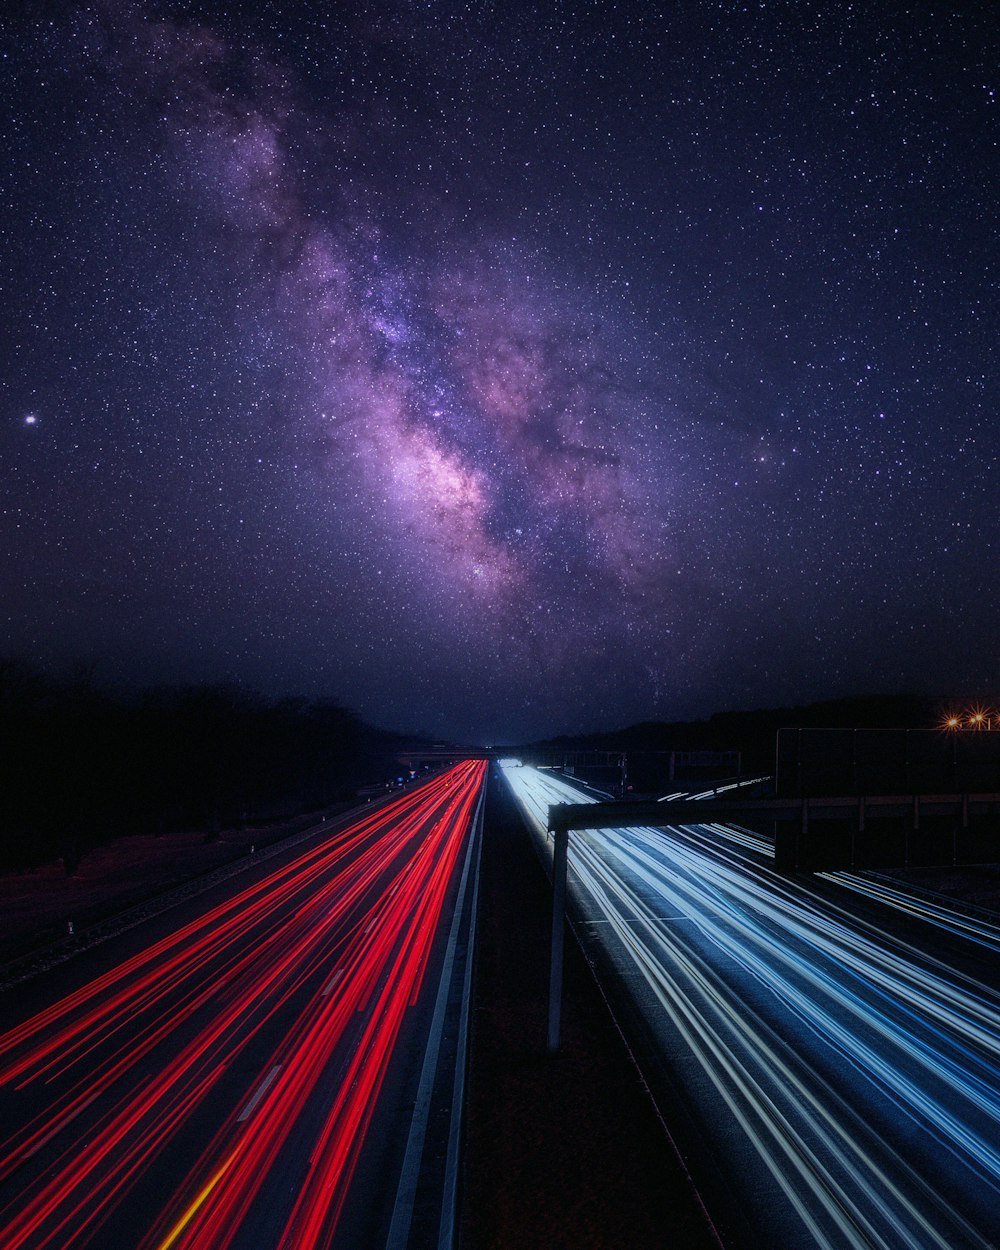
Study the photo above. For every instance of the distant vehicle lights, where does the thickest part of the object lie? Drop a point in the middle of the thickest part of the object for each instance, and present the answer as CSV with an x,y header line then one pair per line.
x,y
975,718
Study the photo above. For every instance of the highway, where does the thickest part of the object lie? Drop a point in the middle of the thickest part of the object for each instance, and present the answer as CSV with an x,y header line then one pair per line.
x,y
829,1045
265,1074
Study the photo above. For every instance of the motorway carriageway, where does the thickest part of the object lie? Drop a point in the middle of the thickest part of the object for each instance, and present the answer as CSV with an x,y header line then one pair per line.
x,y
828,1045
261,1077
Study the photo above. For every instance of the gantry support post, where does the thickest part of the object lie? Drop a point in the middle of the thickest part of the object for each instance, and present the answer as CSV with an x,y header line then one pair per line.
x,y
560,852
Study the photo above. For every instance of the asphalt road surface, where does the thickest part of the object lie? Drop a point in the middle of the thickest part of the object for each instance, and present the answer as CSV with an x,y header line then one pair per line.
x,y
832,1042
266,1071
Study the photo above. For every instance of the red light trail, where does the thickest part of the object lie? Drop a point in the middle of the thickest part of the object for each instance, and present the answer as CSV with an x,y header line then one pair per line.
x,y
313,967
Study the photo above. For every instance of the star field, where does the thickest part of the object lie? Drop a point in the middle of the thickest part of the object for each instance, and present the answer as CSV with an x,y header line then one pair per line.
x,y
503,370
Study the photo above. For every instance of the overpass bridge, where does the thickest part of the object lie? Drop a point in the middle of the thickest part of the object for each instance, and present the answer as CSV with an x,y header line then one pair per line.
x,y
825,833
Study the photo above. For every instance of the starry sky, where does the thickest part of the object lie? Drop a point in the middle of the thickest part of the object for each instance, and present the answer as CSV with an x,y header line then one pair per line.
x,y
502,370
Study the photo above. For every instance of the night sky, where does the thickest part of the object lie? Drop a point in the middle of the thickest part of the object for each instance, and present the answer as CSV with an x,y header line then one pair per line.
x,y
506,369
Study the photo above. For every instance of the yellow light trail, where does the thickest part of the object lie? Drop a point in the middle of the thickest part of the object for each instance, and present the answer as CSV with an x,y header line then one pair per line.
x,y
202,1197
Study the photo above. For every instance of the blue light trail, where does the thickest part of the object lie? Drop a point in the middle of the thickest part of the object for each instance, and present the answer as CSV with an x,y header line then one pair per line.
x,y
835,1035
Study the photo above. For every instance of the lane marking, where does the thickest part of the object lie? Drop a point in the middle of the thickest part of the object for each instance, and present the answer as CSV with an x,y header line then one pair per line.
x,y
262,1089
60,1126
328,988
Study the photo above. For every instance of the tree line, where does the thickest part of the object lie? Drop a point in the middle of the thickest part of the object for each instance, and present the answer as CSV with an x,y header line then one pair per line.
x,y
84,765
752,732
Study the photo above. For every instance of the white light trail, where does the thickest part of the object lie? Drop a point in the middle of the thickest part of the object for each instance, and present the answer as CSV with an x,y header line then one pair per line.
x,y
862,1070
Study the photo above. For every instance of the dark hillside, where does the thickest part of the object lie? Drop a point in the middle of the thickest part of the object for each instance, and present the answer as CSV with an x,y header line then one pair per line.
x,y
753,732
83,765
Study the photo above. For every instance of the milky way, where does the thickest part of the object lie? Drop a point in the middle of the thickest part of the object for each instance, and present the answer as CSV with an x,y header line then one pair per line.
x,y
503,371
